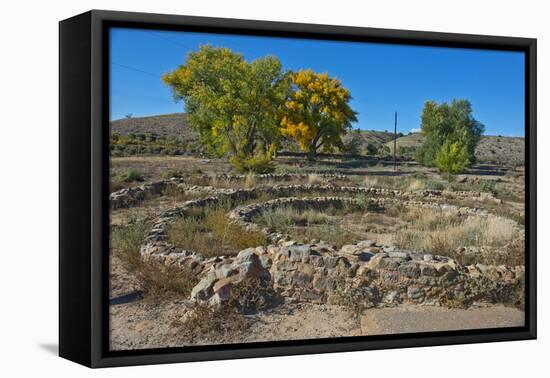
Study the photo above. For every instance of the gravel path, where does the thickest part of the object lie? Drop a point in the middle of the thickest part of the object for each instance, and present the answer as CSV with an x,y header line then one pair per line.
x,y
406,319
140,324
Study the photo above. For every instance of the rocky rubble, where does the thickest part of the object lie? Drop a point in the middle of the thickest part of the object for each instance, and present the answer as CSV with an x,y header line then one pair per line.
x,y
131,196
380,275
128,197
375,275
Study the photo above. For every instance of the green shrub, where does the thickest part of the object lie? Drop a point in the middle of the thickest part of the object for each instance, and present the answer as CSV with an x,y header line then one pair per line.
x,y
452,158
126,242
372,149
172,173
131,175
259,163
156,279
448,123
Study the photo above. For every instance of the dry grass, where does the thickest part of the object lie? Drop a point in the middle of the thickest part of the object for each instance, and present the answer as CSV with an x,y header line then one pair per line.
x,y
210,233
412,182
253,295
330,233
445,233
205,324
314,178
156,279
176,194
250,181
160,281
284,218
310,224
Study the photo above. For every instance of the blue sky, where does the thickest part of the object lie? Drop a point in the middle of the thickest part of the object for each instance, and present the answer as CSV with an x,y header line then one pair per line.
x,y
382,78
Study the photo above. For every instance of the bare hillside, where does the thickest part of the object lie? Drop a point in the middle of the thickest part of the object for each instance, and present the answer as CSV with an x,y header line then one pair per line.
x,y
491,149
501,150
165,125
175,126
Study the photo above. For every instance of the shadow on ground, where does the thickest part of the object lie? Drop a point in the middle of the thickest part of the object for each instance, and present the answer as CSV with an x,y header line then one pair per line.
x,y
51,348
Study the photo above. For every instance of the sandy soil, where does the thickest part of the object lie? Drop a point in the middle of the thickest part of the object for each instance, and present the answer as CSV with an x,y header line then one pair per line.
x,y
140,324
137,323
407,319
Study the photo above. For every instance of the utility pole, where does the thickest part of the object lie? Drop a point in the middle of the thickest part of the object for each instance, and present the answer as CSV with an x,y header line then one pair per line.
x,y
395,142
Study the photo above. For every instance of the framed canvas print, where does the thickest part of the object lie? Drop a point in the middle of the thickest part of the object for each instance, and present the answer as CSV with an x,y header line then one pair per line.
x,y
233,188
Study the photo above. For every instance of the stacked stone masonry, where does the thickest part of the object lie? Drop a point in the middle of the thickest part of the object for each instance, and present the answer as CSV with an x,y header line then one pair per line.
x,y
377,275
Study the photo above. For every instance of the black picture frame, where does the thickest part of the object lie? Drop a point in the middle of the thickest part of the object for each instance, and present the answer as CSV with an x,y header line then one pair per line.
x,y
83,181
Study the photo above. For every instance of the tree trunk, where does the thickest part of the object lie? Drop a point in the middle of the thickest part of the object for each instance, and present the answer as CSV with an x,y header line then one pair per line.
x,y
312,154
250,144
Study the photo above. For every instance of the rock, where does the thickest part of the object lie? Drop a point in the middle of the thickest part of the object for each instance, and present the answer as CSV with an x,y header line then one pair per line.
x,y
399,254
415,294
204,289
428,270
448,278
473,271
299,253
261,250
251,268
391,297
331,261
349,249
288,243
390,277
365,256
224,283
215,301
245,254
427,281
519,272
322,282
301,279
484,269
410,270
316,261
428,257
388,264
226,270
442,268
374,262
306,268
266,261
366,244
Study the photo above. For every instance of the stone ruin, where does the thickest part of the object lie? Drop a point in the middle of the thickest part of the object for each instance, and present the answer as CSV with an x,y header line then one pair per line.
x,y
375,275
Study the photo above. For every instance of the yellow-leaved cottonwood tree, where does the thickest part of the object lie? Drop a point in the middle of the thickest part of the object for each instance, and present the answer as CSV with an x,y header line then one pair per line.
x,y
317,112
235,105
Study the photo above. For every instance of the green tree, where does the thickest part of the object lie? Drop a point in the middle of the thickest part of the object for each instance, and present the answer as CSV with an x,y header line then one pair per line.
x,y
372,149
317,112
353,145
448,123
235,105
452,157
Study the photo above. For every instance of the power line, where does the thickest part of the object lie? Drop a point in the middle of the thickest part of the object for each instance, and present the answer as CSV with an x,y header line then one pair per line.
x,y
158,35
137,96
136,70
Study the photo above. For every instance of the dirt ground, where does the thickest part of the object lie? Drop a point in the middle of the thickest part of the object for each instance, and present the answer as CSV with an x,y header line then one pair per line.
x,y
138,323
407,319
141,325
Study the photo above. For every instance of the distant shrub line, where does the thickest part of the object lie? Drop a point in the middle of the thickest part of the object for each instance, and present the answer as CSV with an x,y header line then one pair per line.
x,y
150,143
